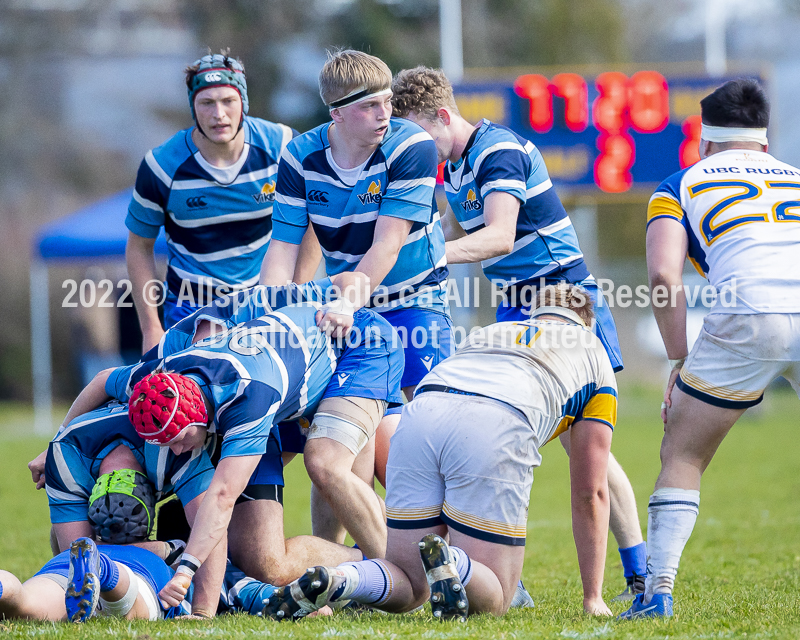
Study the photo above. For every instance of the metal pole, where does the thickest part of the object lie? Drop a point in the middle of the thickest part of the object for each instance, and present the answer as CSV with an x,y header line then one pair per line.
x,y
716,61
450,39
40,350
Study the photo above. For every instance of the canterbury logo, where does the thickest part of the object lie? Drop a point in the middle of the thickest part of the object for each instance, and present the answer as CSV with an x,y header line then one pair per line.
x,y
213,77
196,202
373,194
320,197
471,203
267,193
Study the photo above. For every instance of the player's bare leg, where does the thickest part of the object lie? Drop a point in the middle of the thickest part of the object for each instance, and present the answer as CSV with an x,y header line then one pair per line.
x,y
692,434
268,556
354,503
384,433
624,524
36,599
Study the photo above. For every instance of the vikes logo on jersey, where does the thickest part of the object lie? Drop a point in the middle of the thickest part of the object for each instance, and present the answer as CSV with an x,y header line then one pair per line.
x,y
267,193
471,203
373,194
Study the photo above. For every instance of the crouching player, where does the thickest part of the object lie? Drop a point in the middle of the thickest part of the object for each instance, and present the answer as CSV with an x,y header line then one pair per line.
x,y
74,585
461,464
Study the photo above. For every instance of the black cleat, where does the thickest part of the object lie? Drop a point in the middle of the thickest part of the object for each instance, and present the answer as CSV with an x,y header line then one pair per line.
x,y
448,597
312,591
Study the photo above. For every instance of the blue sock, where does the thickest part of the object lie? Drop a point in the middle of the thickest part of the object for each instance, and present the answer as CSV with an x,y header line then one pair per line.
x,y
463,565
374,582
1,589
109,573
634,560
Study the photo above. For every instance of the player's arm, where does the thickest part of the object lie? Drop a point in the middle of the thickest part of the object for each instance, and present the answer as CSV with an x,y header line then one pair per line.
x,y
141,262
452,229
667,244
211,522
590,443
209,578
308,258
495,239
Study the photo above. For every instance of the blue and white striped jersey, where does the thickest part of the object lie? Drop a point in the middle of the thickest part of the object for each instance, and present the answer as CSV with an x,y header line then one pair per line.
x,y
218,221
497,159
76,452
255,375
398,180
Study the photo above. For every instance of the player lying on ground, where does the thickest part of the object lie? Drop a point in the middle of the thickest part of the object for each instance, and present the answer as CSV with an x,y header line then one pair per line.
x,y
503,212
734,215
364,183
240,384
461,464
113,581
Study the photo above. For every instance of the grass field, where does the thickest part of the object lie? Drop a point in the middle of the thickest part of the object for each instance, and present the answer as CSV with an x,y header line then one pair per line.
x,y
740,575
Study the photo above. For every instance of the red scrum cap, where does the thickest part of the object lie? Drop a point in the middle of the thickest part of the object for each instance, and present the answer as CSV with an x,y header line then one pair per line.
x,y
164,404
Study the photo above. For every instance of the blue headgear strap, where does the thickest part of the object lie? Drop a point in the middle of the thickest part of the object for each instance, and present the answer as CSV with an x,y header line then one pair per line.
x,y
216,70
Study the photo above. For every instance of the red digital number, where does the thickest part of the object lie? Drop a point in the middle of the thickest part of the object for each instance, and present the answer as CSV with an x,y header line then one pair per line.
x,y
609,109
536,90
572,88
440,174
648,102
612,167
690,147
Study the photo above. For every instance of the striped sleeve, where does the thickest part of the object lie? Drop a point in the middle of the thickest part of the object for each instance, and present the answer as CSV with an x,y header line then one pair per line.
x,y
191,478
289,216
117,382
602,407
666,201
247,421
146,211
411,179
503,167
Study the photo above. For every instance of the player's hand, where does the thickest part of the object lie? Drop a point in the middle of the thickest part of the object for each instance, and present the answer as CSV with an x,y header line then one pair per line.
x,y
673,378
336,318
596,607
36,467
175,590
322,611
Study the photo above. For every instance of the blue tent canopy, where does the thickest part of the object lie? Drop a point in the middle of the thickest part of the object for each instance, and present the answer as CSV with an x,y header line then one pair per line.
x,y
96,231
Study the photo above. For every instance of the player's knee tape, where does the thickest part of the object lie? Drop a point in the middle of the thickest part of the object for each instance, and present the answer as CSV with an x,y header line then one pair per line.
x,y
350,421
122,606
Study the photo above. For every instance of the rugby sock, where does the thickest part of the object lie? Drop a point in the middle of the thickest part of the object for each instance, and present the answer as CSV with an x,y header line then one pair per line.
x,y
241,593
368,582
463,564
109,573
671,517
1,589
634,560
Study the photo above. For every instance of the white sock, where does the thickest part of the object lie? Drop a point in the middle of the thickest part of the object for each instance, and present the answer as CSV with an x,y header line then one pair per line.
x,y
122,606
671,517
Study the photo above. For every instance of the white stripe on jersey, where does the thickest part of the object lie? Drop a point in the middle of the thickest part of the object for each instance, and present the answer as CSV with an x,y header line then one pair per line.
x,y
161,467
63,497
422,136
338,255
223,254
292,202
215,282
313,176
502,184
337,223
66,475
495,147
539,188
226,217
151,161
419,233
408,184
147,204
294,163
301,339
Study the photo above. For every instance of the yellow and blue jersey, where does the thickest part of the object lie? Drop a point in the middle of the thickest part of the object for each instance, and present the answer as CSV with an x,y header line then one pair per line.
x,y
545,244
255,375
76,452
218,221
398,180
741,213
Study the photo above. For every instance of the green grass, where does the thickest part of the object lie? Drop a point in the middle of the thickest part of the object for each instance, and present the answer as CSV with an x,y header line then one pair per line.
x,y
740,574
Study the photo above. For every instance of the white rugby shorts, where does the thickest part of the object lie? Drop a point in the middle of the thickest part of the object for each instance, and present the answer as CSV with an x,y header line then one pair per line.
x,y
737,356
464,461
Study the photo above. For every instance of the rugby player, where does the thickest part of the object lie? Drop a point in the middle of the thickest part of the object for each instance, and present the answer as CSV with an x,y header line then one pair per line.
x,y
365,183
461,464
212,188
240,384
734,215
503,212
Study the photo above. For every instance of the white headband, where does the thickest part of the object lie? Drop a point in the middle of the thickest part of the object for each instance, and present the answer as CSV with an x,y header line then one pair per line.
x,y
733,134
357,95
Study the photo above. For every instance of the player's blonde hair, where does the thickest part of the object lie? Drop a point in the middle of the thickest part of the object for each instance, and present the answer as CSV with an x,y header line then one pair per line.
x,y
347,70
422,91
568,296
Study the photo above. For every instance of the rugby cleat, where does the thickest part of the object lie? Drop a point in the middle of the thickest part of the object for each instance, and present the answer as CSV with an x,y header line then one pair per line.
x,y
317,587
635,586
448,597
660,606
83,588
522,599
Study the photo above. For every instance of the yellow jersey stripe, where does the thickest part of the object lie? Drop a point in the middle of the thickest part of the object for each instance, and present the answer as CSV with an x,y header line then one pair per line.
x,y
602,406
662,206
483,524
719,392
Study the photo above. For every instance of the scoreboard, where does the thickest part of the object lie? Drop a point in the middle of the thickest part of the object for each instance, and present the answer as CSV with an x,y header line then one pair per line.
x,y
612,131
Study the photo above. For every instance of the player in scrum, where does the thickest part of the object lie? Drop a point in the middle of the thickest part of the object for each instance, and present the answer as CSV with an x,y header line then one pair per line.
x,y
450,475
734,215
504,213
